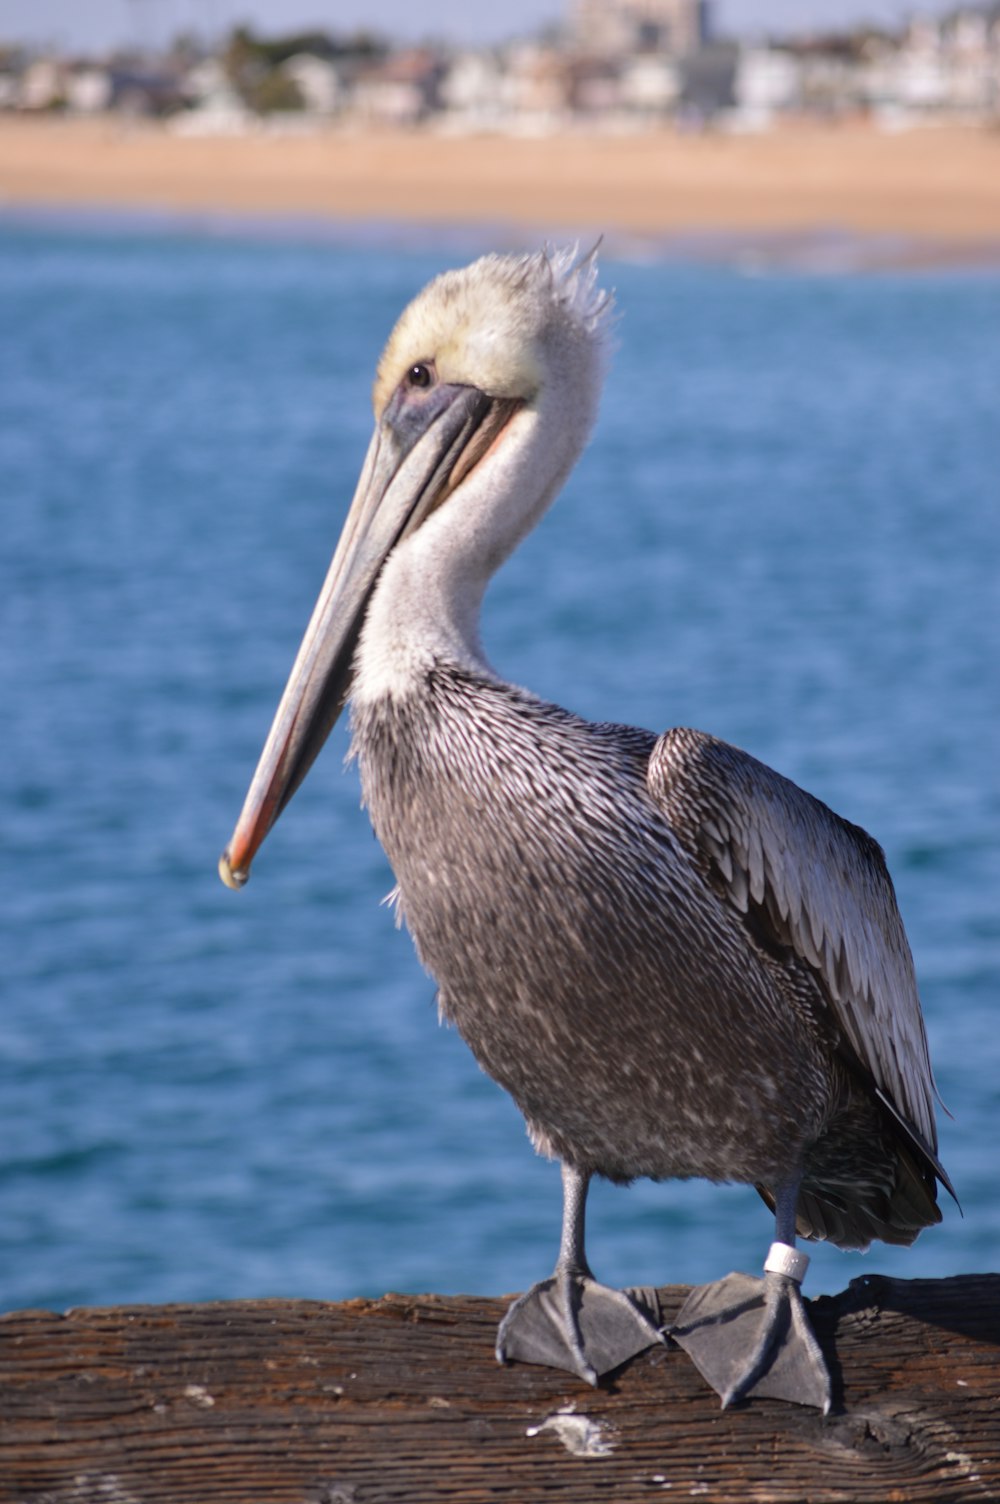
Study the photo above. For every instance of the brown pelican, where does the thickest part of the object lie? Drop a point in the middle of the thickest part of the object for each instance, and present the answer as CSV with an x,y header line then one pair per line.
x,y
676,961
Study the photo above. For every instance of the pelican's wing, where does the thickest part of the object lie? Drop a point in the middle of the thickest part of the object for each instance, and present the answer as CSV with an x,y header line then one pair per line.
x,y
824,888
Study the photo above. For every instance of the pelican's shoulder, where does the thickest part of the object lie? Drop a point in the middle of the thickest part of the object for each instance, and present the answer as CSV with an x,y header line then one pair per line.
x,y
703,780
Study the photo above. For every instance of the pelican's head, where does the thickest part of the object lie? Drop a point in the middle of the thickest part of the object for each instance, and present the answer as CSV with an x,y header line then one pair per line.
x,y
506,326
483,398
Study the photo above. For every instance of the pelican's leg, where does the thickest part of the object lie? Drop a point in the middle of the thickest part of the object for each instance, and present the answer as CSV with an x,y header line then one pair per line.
x,y
570,1321
752,1336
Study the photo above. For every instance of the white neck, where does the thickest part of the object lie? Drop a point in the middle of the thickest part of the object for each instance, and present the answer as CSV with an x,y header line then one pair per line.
x,y
427,604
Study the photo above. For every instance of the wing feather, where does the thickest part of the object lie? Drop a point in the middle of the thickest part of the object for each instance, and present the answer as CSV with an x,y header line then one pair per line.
x,y
826,890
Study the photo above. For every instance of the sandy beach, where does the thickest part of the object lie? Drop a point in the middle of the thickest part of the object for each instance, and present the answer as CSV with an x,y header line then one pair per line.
x,y
937,189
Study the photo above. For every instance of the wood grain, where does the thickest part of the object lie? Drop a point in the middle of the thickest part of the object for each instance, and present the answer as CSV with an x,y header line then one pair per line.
x,y
400,1399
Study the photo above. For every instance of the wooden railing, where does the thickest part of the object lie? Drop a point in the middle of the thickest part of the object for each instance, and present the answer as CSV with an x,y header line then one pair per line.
x,y
400,1399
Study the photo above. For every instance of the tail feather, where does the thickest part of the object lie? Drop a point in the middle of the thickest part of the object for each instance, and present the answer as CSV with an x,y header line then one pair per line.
x,y
869,1177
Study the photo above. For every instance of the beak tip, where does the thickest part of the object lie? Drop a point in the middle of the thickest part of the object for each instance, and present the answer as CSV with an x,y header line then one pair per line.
x,y
233,877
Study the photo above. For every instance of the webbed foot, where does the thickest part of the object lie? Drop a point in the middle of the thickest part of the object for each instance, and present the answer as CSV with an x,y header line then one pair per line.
x,y
570,1321
752,1337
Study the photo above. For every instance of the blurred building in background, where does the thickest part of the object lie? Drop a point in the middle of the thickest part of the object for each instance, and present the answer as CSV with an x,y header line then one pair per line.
x,y
614,65
620,28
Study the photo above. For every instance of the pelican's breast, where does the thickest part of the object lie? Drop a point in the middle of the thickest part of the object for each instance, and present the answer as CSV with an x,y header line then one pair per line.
x,y
582,957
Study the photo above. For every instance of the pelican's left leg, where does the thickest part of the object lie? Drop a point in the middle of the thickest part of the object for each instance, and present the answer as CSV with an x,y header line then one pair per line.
x,y
752,1336
570,1321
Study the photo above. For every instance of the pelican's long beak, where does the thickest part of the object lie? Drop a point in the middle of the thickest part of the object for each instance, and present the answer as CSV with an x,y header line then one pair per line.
x,y
413,462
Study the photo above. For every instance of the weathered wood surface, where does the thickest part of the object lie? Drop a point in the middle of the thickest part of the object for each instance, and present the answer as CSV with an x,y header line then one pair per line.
x,y
400,1399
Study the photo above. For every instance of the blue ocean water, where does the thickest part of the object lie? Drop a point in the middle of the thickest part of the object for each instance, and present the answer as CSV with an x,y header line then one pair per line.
x,y
786,531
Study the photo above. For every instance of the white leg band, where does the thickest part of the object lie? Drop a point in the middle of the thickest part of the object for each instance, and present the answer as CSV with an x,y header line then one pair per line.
x,y
782,1259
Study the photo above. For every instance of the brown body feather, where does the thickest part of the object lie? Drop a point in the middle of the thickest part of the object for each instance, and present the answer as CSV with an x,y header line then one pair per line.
x,y
587,946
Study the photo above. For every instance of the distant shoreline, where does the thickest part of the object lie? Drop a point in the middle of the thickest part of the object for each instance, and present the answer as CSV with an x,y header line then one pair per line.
x,y
825,196
818,251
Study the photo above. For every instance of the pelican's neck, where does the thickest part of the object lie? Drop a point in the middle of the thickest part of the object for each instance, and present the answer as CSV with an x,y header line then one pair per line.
x,y
426,606
424,611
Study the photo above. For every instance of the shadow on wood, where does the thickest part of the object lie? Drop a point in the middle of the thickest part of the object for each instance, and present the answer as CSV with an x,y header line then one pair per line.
x,y
401,1399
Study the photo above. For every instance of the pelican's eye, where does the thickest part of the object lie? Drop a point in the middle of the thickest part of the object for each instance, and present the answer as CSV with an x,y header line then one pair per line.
x,y
420,375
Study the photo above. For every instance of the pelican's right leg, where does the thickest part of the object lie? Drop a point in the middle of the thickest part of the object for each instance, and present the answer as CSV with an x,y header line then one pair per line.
x,y
570,1321
751,1336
